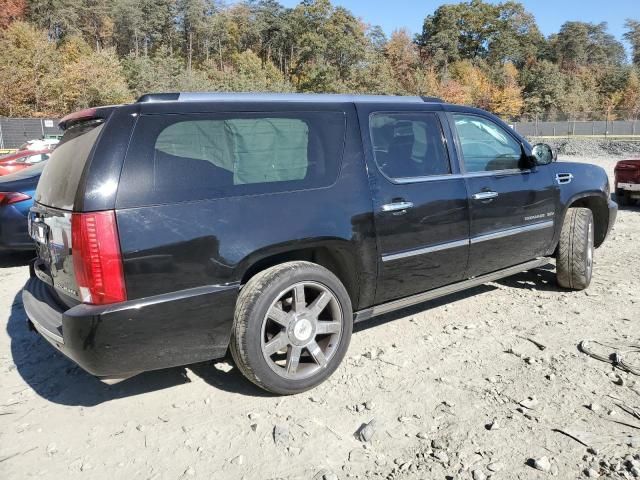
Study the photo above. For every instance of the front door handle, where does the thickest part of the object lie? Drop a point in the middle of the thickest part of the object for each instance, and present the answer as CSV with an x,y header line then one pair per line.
x,y
484,195
396,206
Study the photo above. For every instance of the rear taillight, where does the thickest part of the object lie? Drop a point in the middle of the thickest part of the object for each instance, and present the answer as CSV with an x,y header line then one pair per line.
x,y
97,259
7,198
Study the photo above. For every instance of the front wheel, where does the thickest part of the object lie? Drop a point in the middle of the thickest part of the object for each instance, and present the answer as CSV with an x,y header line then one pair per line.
x,y
574,260
292,327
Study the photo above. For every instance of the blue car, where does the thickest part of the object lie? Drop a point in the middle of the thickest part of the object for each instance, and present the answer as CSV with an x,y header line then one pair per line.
x,y
16,192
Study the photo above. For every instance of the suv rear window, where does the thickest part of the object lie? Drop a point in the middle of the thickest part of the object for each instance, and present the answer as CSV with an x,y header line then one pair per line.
x,y
196,156
60,178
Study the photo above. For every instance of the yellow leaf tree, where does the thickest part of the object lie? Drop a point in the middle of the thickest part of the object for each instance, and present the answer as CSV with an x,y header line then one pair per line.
x,y
506,99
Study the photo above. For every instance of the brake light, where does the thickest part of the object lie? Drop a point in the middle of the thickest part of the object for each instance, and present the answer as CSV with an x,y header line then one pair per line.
x,y
86,114
97,260
7,198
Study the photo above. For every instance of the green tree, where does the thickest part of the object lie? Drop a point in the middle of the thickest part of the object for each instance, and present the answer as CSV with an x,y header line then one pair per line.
x,y
543,87
579,44
144,26
580,97
632,35
157,73
477,29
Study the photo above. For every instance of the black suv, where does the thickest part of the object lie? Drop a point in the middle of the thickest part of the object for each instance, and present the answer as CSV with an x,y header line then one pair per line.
x,y
173,229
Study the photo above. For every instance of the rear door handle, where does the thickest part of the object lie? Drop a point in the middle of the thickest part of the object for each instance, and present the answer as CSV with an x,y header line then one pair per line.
x,y
484,195
396,206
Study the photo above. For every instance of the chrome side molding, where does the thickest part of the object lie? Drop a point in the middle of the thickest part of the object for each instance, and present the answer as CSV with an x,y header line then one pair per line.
x,y
512,231
422,251
467,241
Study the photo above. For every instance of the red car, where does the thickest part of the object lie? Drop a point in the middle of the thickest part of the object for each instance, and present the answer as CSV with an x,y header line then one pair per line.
x,y
627,180
20,160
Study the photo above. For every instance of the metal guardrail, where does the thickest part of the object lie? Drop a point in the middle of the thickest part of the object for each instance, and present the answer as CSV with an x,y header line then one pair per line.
x,y
15,131
569,128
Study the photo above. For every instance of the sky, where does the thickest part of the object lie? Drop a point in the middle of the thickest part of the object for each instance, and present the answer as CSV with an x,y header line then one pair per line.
x,y
550,14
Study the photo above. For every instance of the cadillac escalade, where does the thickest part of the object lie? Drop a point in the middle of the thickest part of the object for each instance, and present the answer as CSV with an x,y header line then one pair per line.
x,y
174,229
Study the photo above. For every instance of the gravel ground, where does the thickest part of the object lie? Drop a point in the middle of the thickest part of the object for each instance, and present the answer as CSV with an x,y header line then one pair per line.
x,y
454,389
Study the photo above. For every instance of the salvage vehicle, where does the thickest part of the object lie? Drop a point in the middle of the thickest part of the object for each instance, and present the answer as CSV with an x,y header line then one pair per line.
x,y
627,181
16,199
39,144
20,160
184,225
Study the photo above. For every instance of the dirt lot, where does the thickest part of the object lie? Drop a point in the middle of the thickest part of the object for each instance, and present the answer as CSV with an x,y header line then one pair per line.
x,y
443,381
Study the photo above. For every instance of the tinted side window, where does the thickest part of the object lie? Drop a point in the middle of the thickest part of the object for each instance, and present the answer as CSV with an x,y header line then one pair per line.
x,y
485,145
196,156
407,145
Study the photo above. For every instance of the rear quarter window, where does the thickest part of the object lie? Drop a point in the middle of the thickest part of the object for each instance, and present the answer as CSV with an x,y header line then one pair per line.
x,y
61,175
175,158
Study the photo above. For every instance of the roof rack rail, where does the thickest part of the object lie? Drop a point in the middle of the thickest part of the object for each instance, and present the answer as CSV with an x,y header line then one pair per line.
x,y
431,99
158,97
279,97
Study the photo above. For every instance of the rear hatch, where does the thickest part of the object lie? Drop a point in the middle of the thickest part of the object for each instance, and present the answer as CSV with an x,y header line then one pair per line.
x,y
628,171
50,219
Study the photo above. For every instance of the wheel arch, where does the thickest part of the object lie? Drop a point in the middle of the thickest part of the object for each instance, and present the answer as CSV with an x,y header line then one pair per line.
x,y
335,255
599,207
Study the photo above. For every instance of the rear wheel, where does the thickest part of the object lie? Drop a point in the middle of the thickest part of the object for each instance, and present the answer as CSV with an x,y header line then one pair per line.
x,y
574,266
292,327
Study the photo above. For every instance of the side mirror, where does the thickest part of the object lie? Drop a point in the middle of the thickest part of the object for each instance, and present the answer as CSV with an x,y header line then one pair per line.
x,y
543,154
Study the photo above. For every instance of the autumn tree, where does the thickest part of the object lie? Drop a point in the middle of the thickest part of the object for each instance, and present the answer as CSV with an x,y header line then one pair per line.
x,y
402,55
474,80
28,60
506,96
630,97
88,81
489,54
10,11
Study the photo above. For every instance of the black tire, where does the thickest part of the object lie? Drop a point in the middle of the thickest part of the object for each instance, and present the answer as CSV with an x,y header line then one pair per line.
x,y
260,295
623,198
574,258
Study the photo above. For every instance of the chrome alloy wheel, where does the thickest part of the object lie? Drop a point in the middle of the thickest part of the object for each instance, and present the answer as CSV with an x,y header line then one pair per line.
x,y
301,330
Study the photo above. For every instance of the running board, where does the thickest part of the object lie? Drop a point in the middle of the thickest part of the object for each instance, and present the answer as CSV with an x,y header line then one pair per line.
x,y
368,313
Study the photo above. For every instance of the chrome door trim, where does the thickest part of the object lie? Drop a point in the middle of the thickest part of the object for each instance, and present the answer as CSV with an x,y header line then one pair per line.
x,y
491,173
461,243
430,178
512,231
424,250
387,307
